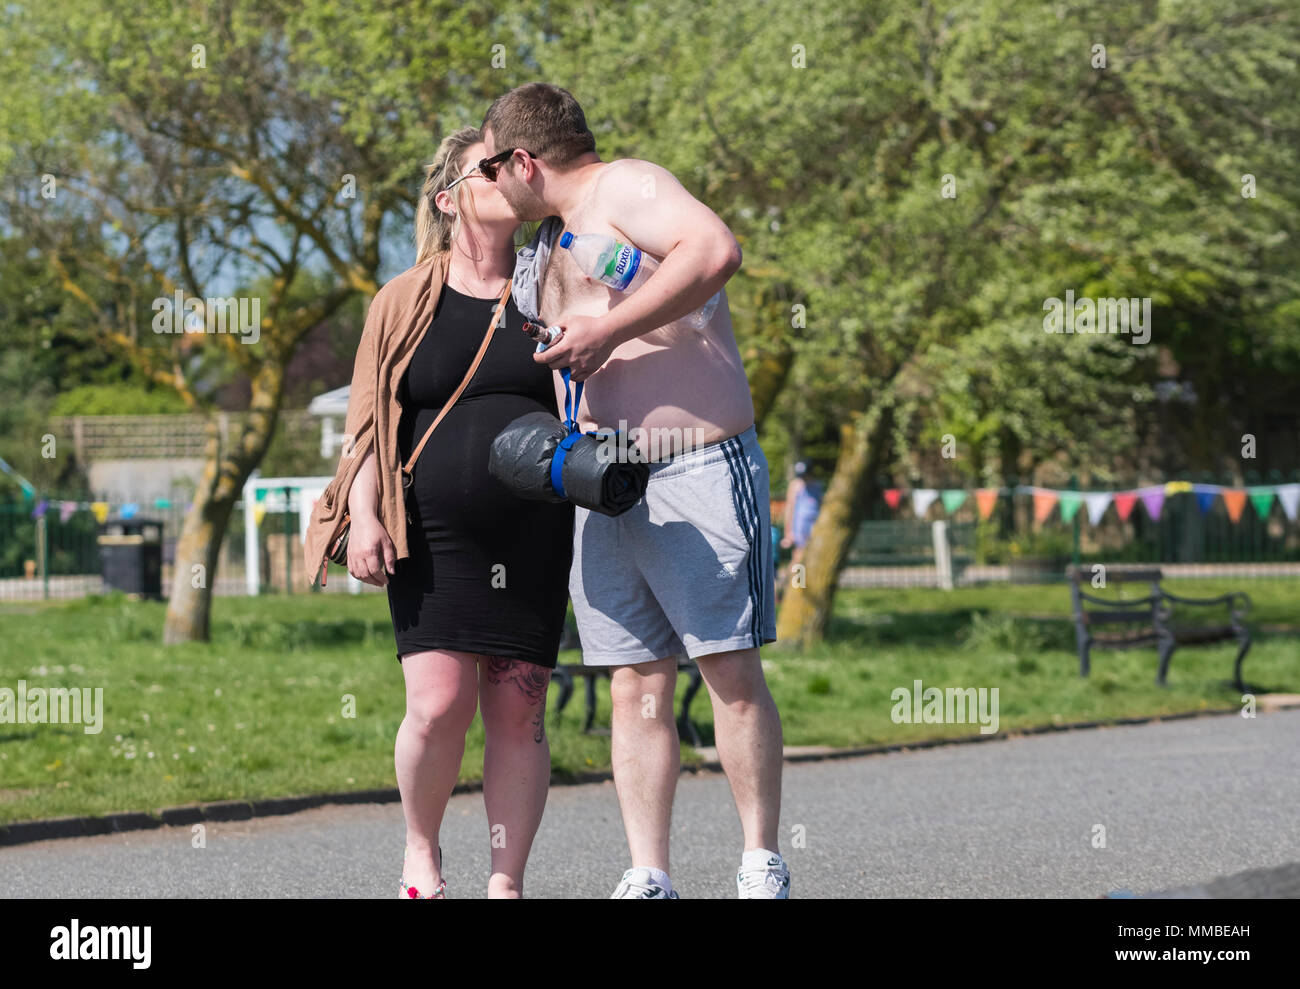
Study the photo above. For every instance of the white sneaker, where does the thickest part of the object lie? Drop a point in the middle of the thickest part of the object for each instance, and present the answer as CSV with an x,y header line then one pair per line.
x,y
637,884
764,880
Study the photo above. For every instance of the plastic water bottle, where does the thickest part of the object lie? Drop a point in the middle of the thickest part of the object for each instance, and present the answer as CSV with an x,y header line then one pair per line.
x,y
620,266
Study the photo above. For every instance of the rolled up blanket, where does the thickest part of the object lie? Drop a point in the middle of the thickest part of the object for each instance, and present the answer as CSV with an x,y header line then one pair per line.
x,y
521,455
524,454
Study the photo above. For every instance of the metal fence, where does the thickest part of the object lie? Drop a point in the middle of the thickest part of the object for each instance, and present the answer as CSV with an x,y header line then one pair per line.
x,y
896,548
57,554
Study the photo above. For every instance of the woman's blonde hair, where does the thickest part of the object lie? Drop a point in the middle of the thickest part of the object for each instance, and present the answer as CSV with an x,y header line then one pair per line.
x,y
434,229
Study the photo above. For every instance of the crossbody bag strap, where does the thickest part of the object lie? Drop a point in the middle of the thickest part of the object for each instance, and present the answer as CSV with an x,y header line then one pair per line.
x,y
478,359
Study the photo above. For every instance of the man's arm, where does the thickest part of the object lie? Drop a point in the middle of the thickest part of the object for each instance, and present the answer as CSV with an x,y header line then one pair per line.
x,y
656,213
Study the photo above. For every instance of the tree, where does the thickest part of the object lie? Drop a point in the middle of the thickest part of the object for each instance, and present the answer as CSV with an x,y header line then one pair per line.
x,y
1068,174
234,149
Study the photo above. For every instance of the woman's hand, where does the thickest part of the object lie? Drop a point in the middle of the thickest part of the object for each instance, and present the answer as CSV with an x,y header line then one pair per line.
x,y
371,556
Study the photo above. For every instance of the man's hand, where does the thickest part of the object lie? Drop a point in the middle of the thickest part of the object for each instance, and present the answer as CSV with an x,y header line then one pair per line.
x,y
584,348
371,554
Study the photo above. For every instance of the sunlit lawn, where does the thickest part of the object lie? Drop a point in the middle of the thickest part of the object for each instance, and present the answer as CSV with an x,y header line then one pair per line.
x,y
260,711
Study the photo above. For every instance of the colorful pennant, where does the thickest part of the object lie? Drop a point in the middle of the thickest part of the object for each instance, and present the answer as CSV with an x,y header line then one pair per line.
x,y
953,499
922,499
1153,499
1124,502
1262,502
1234,501
1288,496
1070,502
1044,502
1097,503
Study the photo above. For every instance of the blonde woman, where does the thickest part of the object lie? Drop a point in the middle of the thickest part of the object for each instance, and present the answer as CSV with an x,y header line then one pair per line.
x,y
477,579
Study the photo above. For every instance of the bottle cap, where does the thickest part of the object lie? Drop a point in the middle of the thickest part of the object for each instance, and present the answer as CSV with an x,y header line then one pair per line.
x,y
566,239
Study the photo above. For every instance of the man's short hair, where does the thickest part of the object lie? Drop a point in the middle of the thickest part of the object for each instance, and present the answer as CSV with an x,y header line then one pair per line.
x,y
540,118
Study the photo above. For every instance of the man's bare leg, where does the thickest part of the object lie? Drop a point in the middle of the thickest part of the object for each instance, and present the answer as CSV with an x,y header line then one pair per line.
x,y
747,730
646,756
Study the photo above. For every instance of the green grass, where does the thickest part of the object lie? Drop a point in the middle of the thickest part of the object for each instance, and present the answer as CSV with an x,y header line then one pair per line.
x,y
259,711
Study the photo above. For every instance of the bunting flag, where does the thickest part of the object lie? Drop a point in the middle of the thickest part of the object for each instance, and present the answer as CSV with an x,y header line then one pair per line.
x,y
1288,496
1097,504
1044,502
66,510
162,503
100,510
130,510
41,508
1234,501
922,499
259,513
953,499
1153,499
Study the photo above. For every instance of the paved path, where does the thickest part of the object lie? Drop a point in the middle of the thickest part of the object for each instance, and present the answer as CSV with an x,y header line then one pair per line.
x,y
1182,802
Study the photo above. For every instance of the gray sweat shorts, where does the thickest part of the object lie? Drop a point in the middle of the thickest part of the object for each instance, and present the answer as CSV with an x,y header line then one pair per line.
x,y
688,569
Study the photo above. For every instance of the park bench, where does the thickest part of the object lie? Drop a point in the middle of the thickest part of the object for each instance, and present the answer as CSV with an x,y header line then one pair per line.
x,y
566,672
1158,618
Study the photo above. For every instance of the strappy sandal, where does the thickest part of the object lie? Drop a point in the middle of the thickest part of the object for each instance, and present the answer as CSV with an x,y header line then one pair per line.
x,y
439,894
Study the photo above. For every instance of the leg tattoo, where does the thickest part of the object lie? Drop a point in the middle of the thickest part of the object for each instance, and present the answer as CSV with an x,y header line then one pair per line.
x,y
532,681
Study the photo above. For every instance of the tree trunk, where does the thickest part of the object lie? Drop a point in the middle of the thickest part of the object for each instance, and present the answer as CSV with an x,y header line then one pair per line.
x,y
806,611
769,353
189,609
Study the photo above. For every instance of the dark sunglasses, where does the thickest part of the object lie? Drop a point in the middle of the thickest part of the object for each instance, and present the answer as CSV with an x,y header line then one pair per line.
x,y
488,166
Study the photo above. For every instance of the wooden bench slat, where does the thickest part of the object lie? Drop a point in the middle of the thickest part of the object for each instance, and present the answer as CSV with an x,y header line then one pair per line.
x,y
1104,617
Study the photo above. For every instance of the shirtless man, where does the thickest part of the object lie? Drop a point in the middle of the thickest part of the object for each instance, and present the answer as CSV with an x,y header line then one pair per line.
x,y
689,568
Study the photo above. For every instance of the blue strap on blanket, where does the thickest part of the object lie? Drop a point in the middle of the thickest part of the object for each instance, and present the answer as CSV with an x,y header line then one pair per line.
x,y
571,403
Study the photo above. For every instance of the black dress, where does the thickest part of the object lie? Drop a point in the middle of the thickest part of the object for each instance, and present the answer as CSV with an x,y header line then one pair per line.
x,y
488,572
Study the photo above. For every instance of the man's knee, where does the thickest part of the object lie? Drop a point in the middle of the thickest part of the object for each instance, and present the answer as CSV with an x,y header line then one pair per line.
x,y
735,677
644,689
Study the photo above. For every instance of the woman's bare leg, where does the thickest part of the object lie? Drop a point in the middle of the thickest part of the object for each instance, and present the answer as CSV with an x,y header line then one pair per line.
x,y
441,697
516,765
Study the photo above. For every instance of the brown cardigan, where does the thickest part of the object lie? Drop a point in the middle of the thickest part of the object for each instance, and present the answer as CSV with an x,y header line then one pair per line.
x,y
398,316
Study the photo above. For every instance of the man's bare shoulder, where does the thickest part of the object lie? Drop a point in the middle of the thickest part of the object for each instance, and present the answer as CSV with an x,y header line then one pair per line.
x,y
625,175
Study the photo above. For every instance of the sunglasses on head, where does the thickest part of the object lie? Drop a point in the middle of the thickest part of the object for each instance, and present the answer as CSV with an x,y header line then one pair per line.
x,y
488,167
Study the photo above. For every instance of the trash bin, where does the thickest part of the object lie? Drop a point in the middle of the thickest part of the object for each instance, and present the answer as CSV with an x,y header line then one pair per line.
x,y
130,553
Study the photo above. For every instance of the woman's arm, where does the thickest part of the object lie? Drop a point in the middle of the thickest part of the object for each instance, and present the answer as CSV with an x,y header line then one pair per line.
x,y
371,556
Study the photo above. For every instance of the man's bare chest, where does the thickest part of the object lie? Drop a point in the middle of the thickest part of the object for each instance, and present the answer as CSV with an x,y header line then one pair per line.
x,y
565,286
